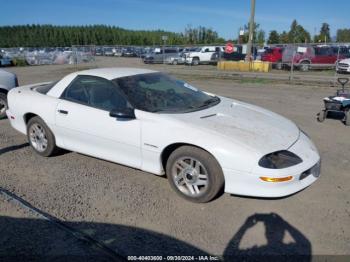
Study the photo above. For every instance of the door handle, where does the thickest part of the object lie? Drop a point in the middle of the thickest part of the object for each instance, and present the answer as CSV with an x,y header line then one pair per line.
x,y
64,112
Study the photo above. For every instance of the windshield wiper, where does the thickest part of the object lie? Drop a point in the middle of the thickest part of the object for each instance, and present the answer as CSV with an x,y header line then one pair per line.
x,y
205,104
210,101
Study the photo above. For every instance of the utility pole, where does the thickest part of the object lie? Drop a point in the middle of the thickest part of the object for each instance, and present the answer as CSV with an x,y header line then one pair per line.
x,y
164,38
251,30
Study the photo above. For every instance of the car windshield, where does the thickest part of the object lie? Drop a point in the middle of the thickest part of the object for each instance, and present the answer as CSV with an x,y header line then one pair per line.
x,y
157,92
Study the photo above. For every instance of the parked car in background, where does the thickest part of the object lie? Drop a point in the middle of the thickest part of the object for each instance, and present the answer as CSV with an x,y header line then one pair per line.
x,y
186,50
175,59
108,51
5,61
129,52
203,55
98,51
236,55
310,57
146,51
118,52
158,56
343,51
273,55
7,82
343,66
260,52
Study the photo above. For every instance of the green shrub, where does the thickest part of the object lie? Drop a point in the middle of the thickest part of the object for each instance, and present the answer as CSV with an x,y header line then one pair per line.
x,y
19,62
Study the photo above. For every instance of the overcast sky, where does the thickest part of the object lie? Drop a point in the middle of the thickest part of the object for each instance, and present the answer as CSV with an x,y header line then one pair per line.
x,y
224,16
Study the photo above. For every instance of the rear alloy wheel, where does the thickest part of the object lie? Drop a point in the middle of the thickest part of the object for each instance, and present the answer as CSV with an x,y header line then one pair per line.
x,y
3,105
194,174
40,137
174,62
195,61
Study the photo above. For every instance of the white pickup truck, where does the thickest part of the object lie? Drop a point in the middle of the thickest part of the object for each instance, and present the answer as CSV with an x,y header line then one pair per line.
x,y
202,55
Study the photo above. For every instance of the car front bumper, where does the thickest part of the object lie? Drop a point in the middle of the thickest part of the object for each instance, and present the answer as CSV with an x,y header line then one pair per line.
x,y
343,69
303,175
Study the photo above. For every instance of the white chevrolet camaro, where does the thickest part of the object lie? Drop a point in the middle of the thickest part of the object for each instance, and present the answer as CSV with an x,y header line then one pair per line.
x,y
205,144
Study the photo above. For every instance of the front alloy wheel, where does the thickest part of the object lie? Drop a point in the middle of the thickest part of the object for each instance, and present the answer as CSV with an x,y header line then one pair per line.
x,y
194,174
190,176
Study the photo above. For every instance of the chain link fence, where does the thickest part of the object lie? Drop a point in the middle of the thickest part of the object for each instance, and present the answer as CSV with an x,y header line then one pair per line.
x,y
292,61
48,56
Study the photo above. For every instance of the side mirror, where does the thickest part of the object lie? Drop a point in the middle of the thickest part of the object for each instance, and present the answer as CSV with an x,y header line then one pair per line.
x,y
125,113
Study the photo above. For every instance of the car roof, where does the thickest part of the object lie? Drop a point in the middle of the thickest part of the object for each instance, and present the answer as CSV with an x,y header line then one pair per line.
x,y
107,73
115,72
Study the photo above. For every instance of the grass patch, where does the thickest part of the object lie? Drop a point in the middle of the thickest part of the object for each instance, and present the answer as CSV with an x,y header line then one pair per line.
x,y
19,62
254,81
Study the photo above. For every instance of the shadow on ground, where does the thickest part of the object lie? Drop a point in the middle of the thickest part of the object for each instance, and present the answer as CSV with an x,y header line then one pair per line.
x,y
37,239
12,148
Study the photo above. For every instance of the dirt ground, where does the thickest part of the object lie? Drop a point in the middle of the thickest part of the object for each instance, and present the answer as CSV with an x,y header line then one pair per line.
x,y
136,213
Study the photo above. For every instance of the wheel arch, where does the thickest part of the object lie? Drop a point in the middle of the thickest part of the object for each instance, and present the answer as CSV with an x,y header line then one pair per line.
x,y
28,116
3,90
169,149
305,61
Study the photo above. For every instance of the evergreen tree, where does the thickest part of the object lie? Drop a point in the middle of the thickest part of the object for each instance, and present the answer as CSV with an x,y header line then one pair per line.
x,y
324,35
343,35
297,33
246,34
261,37
274,37
284,38
53,36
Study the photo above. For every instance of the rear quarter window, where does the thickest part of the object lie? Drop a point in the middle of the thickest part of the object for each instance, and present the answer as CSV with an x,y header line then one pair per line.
x,y
44,89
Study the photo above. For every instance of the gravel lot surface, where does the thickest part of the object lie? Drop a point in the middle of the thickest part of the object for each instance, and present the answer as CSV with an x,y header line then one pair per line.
x,y
25,235
136,213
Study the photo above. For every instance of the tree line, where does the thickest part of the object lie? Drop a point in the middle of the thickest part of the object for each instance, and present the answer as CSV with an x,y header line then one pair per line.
x,y
298,34
55,36
61,36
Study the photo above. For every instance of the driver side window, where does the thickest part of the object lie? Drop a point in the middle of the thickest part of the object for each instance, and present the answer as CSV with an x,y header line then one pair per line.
x,y
95,92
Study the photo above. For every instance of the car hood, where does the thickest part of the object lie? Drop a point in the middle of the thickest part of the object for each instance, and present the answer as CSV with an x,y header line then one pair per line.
x,y
347,61
250,126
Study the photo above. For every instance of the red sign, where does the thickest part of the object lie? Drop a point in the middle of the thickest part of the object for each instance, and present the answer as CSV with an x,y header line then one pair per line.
x,y
229,48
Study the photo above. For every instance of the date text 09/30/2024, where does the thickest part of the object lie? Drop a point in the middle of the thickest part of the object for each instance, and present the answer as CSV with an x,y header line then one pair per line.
x,y
173,258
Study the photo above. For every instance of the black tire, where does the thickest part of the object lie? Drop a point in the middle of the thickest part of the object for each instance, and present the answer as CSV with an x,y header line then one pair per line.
x,y
321,116
195,61
174,62
279,65
3,105
347,118
51,147
214,175
304,66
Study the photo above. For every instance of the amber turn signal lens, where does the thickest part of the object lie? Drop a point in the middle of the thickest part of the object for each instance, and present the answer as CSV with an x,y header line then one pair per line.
x,y
276,179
